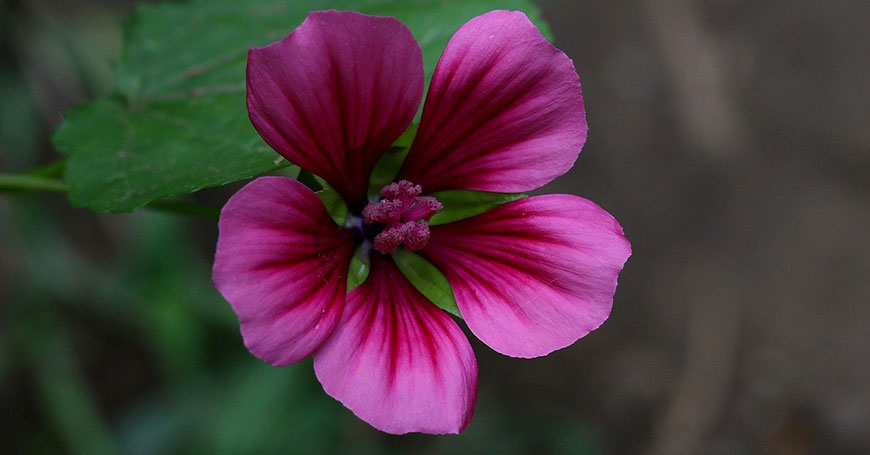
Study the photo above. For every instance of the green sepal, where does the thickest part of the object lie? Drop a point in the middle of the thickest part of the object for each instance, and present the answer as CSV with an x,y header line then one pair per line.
x,y
427,279
333,202
390,163
461,204
359,267
407,137
310,180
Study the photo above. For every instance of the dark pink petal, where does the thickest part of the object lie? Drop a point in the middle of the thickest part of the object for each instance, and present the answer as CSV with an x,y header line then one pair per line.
x,y
397,361
504,111
533,275
333,95
281,262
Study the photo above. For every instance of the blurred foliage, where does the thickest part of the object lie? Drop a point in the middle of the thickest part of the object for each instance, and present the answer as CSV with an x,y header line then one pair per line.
x,y
175,377
111,337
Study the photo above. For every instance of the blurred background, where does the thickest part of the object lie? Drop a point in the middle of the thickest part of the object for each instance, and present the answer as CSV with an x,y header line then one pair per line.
x,y
729,137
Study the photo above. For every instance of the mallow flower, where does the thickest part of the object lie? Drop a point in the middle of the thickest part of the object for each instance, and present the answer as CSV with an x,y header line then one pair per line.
x,y
504,113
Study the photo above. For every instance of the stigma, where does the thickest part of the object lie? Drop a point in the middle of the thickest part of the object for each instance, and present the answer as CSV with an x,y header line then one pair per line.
x,y
405,216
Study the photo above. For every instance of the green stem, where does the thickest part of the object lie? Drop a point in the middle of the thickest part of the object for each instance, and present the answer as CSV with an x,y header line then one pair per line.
x,y
53,169
36,182
30,182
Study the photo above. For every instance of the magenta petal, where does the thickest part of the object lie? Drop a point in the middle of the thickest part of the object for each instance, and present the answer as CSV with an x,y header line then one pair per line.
x,y
336,93
533,275
397,361
504,111
281,262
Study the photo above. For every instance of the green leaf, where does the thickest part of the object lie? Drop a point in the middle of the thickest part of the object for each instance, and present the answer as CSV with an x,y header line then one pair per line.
x,y
121,159
461,204
177,120
359,267
427,279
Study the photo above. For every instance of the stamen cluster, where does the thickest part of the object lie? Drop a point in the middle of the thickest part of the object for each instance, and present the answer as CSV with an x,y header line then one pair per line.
x,y
405,216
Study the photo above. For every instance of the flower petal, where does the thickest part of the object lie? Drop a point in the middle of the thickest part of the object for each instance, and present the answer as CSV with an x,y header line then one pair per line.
x,y
533,275
333,95
504,111
281,263
398,361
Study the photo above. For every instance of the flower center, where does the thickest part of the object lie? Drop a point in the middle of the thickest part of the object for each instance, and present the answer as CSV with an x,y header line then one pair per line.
x,y
404,215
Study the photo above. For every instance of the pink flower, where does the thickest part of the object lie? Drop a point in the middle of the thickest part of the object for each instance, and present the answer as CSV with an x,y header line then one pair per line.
x,y
504,113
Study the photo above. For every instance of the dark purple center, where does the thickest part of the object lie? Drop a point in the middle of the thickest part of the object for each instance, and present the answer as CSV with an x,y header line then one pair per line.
x,y
404,215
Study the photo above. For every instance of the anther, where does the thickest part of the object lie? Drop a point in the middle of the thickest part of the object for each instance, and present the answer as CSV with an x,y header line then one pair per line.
x,y
405,216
